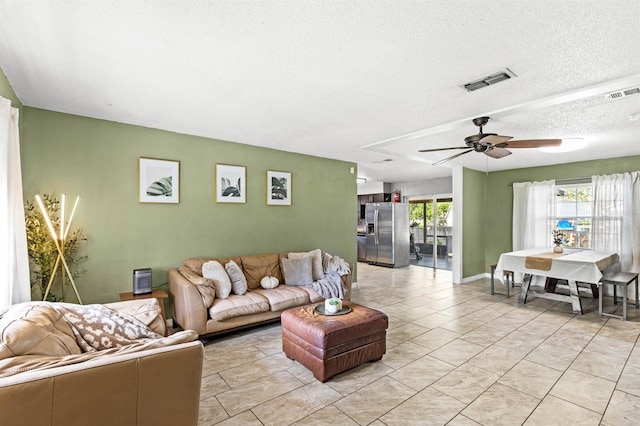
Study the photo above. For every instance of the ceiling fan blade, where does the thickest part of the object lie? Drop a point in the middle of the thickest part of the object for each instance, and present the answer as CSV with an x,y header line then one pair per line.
x,y
530,143
443,149
450,158
495,139
497,152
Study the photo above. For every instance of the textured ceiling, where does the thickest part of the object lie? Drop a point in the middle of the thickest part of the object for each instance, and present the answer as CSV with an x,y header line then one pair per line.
x,y
361,81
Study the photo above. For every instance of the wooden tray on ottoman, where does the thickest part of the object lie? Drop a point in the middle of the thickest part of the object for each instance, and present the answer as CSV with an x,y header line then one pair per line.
x,y
329,345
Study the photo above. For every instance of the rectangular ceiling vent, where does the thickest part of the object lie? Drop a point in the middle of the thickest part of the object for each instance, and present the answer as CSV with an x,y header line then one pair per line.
x,y
622,93
494,78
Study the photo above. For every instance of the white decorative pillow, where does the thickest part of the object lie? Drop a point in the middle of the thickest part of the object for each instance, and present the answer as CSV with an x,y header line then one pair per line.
x,y
269,282
238,280
297,271
216,273
316,262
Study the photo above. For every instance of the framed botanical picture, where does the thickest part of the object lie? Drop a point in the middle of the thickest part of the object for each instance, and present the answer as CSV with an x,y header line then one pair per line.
x,y
231,184
278,188
159,181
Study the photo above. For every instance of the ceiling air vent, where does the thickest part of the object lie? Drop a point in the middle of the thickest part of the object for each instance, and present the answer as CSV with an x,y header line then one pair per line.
x,y
622,93
494,78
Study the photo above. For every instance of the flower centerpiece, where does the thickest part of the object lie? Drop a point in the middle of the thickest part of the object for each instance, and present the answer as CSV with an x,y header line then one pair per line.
x,y
558,240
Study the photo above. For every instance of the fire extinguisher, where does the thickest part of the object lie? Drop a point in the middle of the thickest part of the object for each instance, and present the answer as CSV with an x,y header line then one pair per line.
x,y
396,196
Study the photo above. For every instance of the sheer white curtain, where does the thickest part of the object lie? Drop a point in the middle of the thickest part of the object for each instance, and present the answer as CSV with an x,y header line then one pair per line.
x,y
14,261
533,206
616,218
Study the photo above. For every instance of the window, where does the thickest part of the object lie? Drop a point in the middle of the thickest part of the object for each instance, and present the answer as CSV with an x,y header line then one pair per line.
x,y
573,207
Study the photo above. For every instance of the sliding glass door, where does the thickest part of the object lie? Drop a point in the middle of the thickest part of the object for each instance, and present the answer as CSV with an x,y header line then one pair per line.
x,y
431,227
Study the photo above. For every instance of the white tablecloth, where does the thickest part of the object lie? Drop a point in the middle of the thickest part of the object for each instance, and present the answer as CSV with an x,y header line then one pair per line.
x,y
579,265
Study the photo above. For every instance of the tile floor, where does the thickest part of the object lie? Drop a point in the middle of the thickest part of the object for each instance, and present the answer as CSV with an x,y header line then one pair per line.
x,y
455,356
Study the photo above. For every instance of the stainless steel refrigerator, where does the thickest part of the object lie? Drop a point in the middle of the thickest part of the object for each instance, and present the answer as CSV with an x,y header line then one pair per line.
x,y
387,234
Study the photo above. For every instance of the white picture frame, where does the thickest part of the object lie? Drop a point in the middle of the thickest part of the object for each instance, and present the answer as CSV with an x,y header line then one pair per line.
x,y
231,184
158,181
278,188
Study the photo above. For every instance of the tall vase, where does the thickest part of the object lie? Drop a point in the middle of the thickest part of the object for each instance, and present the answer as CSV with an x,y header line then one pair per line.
x,y
557,248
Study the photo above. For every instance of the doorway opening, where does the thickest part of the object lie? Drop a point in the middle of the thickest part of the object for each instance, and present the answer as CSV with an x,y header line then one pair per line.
x,y
431,226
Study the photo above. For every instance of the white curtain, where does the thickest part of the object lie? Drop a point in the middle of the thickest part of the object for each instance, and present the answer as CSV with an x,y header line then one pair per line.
x,y
533,209
14,261
616,218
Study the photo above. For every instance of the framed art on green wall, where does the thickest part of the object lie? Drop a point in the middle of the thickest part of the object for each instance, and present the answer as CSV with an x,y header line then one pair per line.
x,y
278,188
231,184
159,181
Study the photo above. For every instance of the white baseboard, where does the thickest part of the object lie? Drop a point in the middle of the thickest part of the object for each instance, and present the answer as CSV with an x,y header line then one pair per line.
x,y
474,278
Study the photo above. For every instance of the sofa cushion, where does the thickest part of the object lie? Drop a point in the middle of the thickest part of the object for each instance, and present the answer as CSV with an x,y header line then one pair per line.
x,y
195,263
284,297
316,262
236,306
259,266
297,271
238,280
147,311
215,272
34,329
314,297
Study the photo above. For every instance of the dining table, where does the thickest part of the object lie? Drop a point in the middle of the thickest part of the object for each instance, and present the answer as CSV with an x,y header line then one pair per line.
x,y
573,265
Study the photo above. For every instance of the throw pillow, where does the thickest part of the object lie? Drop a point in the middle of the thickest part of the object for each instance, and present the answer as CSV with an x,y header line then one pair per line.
x,y
205,286
297,271
207,291
190,275
269,282
238,280
316,262
216,273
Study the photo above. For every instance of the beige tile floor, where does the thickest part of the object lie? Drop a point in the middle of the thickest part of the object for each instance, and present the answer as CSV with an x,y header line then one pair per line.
x,y
455,356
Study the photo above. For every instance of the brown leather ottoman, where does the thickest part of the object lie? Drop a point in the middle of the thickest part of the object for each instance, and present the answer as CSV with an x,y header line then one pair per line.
x,y
329,345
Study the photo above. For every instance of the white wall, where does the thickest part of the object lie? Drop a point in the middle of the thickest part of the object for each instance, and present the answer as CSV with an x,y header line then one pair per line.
x,y
418,188
374,188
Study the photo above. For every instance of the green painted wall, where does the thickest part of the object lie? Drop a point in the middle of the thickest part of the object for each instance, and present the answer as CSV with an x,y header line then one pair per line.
x,y
473,222
499,204
98,160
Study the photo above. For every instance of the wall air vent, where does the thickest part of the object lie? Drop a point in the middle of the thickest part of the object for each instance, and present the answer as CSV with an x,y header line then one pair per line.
x,y
494,78
622,93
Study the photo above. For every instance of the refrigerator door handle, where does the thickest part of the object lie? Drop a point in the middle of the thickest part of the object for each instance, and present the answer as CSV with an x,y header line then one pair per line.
x,y
375,226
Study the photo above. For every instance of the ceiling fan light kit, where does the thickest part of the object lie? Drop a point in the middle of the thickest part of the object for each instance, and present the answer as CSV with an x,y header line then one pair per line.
x,y
492,144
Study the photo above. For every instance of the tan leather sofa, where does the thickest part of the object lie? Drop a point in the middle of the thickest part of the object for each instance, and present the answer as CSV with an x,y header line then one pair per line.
x,y
159,386
189,311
